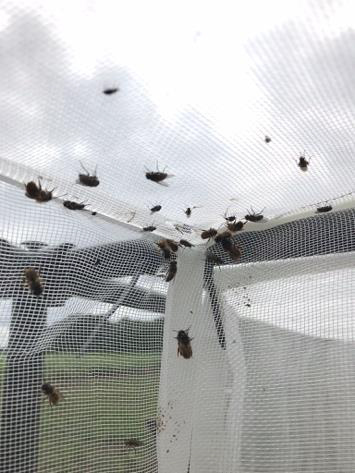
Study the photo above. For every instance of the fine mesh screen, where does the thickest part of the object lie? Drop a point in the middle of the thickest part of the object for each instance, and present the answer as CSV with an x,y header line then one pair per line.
x,y
94,374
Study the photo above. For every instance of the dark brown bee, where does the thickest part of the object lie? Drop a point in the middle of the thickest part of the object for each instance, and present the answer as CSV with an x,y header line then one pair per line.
x,y
111,91
156,208
303,163
87,179
185,243
222,236
267,139
74,205
34,191
228,245
53,394
184,344
230,218
156,176
164,247
171,271
33,281
93,213
326,208
253,216
169,244
188,210
213,259
207,234
133,443
149,228
235,226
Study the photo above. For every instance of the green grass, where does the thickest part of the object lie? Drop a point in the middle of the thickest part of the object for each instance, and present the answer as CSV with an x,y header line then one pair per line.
x,y
107,399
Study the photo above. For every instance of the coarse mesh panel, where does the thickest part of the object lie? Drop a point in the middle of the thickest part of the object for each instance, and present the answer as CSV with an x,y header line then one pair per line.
x,y
93,325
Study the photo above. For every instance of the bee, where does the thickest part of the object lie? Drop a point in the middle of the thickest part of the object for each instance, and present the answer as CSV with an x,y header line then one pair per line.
x,y
188,210
164,247
133,443
53,394
156,208
169,244
253,216
157,176
34,191
213,259
326,208
267,139
230,218
184,343
228,245
235,226
74,205
185,243
149,228
88,179
171,271
111,91
207,234
303,163
33,281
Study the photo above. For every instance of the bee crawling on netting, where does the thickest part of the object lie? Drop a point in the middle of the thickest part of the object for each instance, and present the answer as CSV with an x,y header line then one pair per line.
x,y
208,234
171,271
88,180
167,244
184,343
228,245
235,227
74,205
52,393
36,192
254,216
111,91
157,176
33,280
155,208
213,259
133,444
302,162
326,208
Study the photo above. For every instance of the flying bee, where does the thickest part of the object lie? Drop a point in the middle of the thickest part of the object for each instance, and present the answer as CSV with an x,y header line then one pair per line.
x,y
111,91
185,243
74,205
88,179
33,281
254,216
155,208
157,176
326,208
302,162
149,228
171,271
267,139
235,226
207,234
52,393
184,343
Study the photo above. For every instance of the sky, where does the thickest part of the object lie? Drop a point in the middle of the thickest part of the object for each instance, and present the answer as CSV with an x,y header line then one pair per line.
x,y
201,84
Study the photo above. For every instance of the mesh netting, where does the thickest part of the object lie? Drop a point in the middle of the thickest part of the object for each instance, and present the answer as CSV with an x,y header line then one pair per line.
x,y
239,363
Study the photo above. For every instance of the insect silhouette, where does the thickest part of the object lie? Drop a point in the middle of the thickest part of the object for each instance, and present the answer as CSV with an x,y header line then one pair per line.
x,y
213,259
157,176
111,91
169,244
228,245
184,343
303,163
156,208
171,271
149,228
185,243
267,139
253,216
33,280
229,218
74,205
235,226
88,180
36,192
326,208
133,443
164,247
188,210
53,394
207,234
